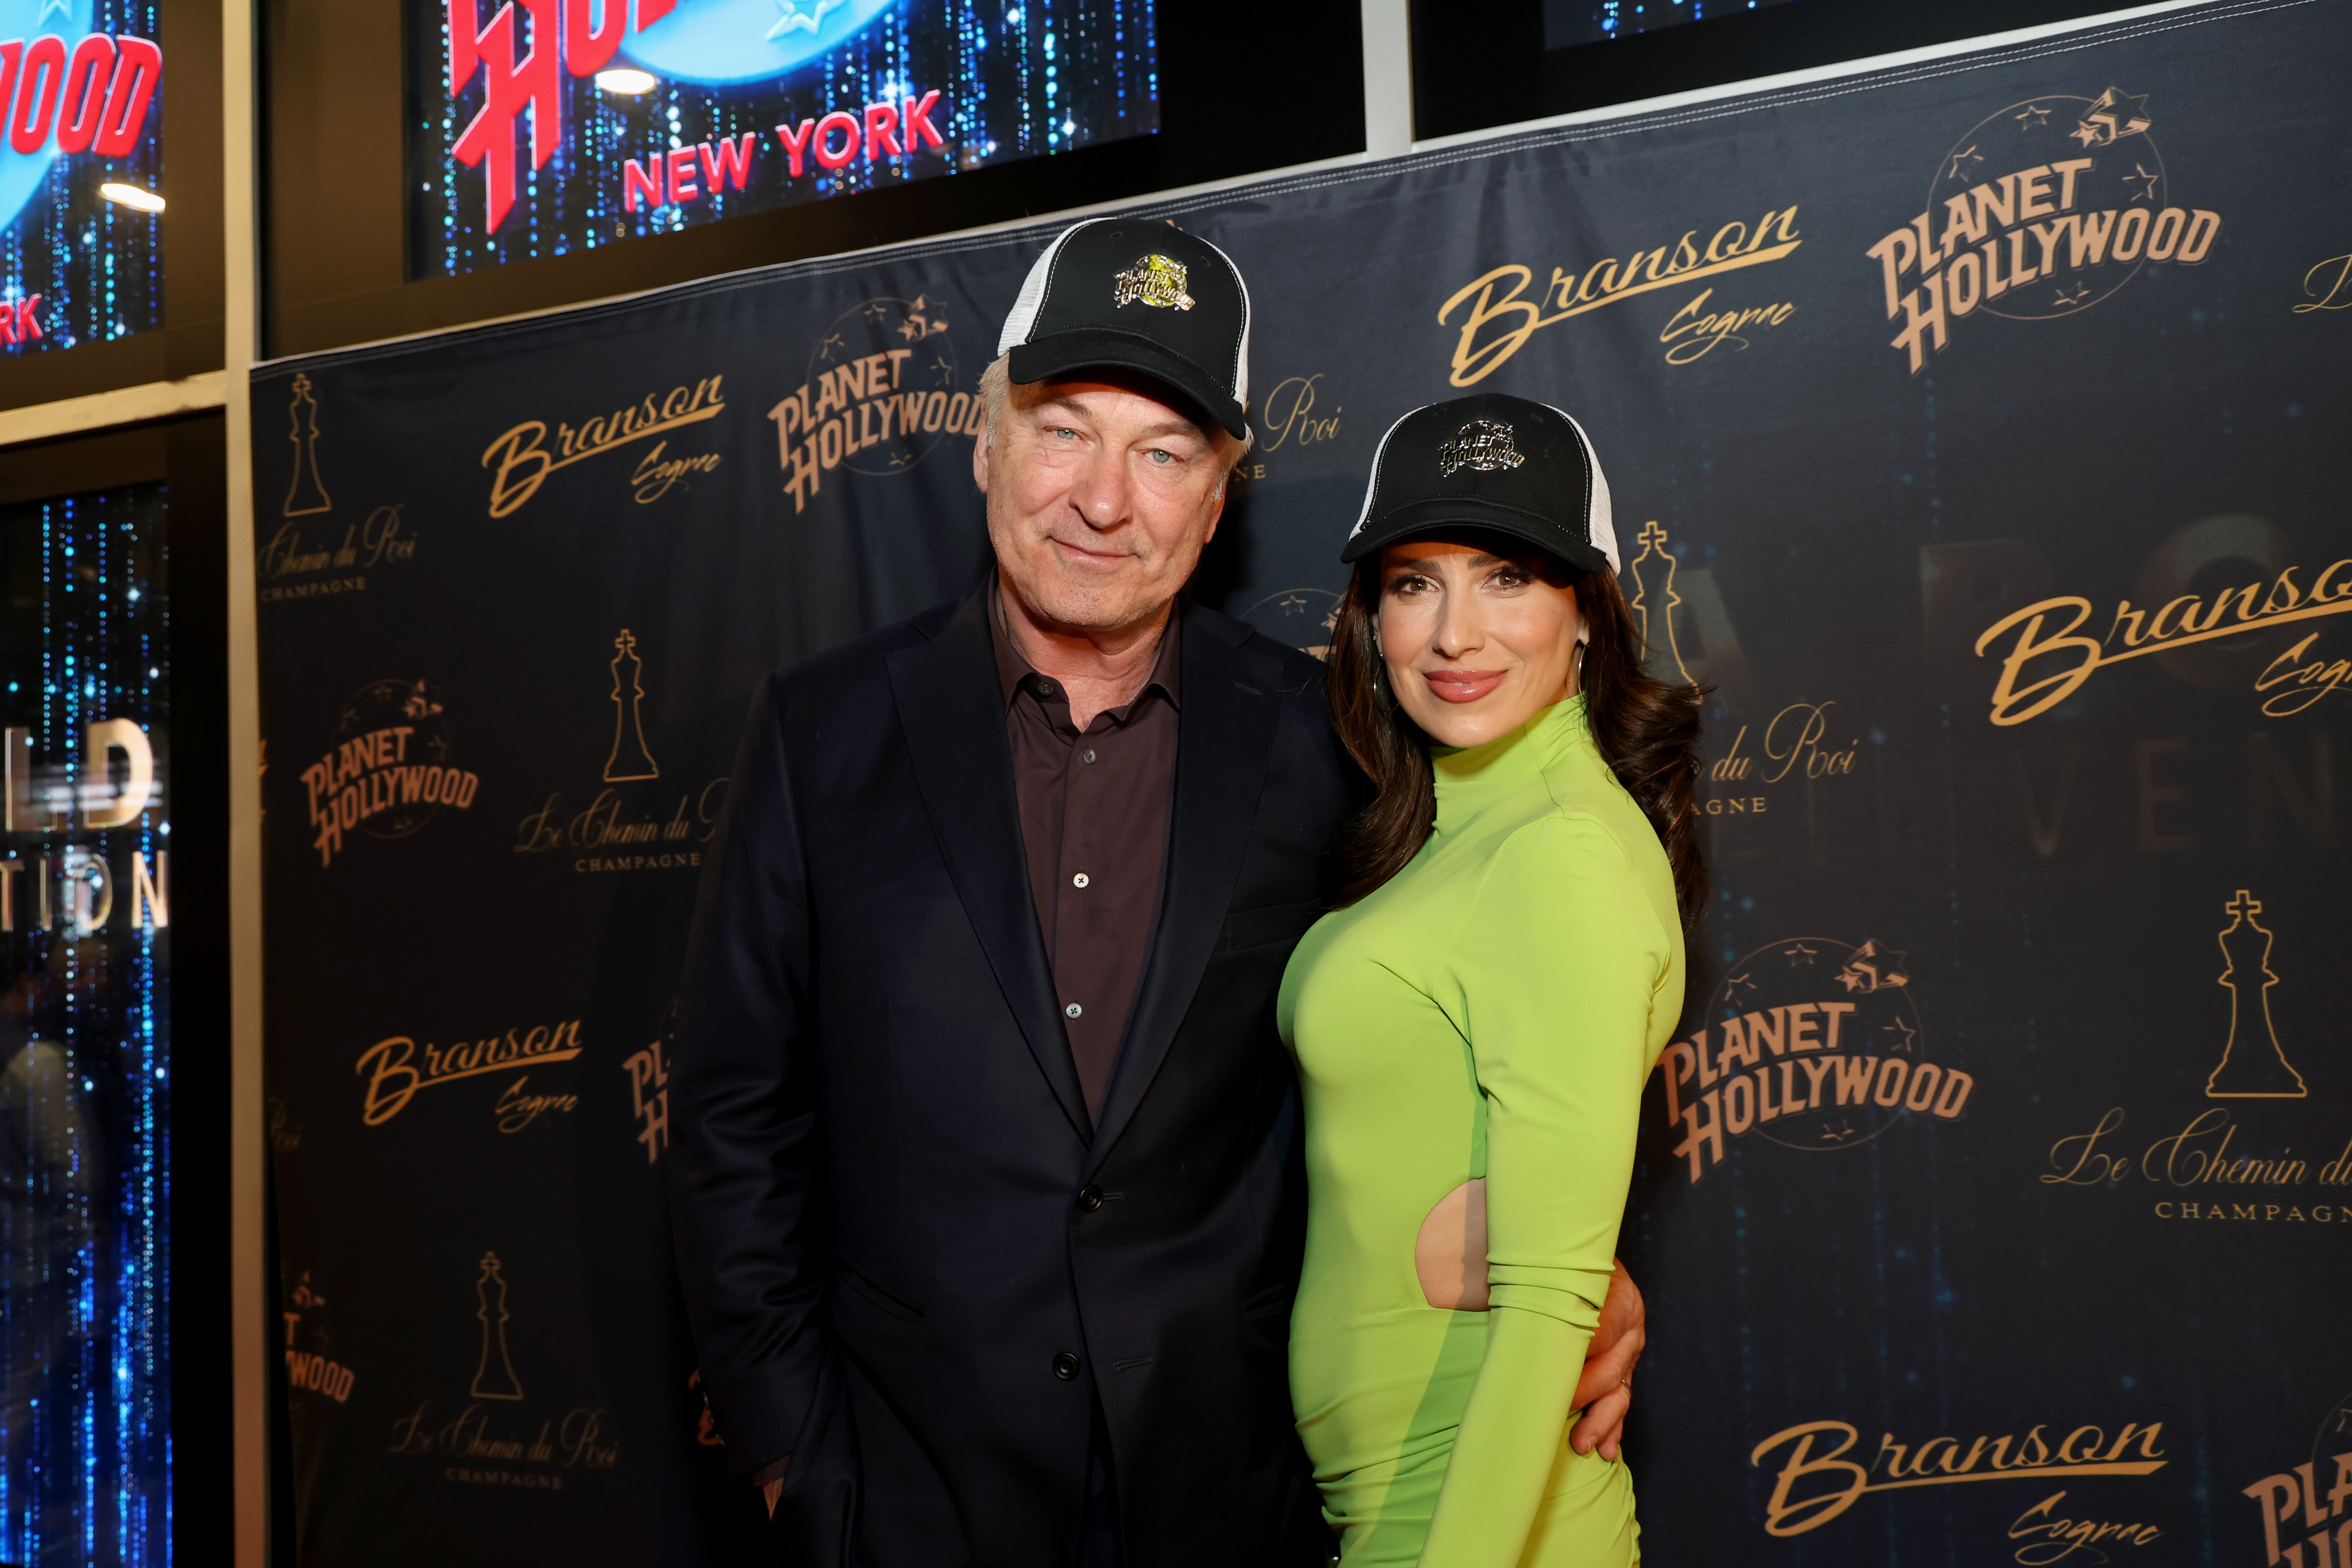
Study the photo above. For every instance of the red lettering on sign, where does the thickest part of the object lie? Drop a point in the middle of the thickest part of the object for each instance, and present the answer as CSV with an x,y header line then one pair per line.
x,y
821,140
917,122
640,183
38,83
881,131
84,104
508,88
796,143
730,163
18,322
138,67
586,50
682,187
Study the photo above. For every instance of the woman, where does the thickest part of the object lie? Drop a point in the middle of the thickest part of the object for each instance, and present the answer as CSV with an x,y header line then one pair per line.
x,y
1473,1026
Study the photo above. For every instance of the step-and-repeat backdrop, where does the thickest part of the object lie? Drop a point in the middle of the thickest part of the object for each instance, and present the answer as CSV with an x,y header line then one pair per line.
x,y
1977,433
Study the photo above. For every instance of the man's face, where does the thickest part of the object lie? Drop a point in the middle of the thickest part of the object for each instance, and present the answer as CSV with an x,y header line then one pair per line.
x,y
1100,499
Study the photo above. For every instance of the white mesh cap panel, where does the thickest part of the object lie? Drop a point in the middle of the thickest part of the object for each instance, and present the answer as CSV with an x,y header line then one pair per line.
x,y
1025,305
1241,355
1600,521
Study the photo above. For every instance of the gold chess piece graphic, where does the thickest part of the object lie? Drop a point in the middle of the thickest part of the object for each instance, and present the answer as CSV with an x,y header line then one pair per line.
x,y
630,759
306,494
495,1377
1654,587
2253,1066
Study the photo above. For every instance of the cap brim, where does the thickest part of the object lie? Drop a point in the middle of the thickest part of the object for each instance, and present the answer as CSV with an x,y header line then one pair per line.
x,y
1085,348
1437,513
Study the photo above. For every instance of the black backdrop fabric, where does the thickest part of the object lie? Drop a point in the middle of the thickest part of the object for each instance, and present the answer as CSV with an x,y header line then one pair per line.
x,y
1993,1201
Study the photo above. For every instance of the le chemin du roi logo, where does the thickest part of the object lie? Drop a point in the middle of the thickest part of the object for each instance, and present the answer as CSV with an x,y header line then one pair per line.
x,y
293,564
2194,1169
2040,210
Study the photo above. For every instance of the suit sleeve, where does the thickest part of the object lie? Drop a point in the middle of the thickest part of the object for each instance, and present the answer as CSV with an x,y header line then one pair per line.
x,y
1556,970
741,1163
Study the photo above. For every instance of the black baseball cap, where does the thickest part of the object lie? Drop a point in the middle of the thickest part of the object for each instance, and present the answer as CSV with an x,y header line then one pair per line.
x,y
1494,461
1137,294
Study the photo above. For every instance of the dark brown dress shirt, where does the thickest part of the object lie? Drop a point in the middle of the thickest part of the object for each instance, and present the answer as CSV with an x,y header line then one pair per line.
x,y
1094,825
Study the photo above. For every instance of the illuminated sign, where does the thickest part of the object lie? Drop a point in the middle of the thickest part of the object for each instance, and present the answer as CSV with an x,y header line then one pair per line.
x,y
548,126
81,172
85,1062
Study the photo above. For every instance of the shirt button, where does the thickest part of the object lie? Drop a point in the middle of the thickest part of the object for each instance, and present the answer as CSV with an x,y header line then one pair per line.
x,y
1080,880
1088,755
1065,1366
1073,1011
1047,688
1090,1198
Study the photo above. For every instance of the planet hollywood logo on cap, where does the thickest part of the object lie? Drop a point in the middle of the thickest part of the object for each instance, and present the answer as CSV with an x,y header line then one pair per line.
x,y
1153,280
1483,444
2042,209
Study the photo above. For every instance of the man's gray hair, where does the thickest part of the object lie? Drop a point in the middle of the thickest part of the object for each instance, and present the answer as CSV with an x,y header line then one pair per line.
x,y
996,396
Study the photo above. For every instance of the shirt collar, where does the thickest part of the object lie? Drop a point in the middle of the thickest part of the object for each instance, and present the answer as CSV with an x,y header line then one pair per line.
x,y
1013,670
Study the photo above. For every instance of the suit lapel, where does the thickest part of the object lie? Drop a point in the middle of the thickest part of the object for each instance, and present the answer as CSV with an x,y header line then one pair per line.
x,y
1224,737
952,714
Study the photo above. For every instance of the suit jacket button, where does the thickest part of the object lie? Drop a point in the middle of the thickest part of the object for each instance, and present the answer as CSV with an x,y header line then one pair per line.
x,y
1065,1366
1091,1199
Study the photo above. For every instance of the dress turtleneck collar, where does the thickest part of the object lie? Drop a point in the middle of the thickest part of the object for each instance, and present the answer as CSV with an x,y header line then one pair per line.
x,y
1470,778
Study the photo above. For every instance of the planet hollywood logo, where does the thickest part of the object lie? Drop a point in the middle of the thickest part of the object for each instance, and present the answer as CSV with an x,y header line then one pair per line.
x,y
2040,210
879,396
391,770
1813,1045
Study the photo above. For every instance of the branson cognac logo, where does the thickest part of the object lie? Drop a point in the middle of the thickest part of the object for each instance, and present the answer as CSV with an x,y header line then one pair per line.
x,y
521,459
1814,1488
391,771
2045,208
1814,1046
2044,661
879,396
1500,323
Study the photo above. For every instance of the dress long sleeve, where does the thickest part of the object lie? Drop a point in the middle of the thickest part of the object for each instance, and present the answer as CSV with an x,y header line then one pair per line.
x,y
1554,978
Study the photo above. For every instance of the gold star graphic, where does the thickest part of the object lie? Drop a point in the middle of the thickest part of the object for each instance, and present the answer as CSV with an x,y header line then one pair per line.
x,y
2035,118
2145,181
1961,162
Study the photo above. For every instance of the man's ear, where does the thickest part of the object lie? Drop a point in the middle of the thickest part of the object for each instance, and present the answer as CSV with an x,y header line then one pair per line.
x,y
979,458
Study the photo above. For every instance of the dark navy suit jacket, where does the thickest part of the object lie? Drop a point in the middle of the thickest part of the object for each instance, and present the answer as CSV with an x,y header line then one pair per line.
x,y
895,1223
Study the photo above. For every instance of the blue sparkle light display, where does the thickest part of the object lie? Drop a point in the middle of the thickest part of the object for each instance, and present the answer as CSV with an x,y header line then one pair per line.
x,y
539,128
1571,22
82,93
84,1035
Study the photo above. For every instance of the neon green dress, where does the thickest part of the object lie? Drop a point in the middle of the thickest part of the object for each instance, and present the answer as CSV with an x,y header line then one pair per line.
x,y
1491,1011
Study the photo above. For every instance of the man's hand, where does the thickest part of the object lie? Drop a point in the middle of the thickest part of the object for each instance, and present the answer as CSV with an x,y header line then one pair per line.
x,y
1605,1392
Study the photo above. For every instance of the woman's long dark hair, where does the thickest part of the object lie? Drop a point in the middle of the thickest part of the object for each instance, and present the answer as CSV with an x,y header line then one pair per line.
x,y
1646,729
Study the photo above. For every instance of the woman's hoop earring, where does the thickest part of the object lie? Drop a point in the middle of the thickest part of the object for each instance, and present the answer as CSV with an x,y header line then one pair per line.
x,y
1580,667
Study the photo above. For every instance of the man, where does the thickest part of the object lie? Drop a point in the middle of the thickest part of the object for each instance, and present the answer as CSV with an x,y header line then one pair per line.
x,y
985,1152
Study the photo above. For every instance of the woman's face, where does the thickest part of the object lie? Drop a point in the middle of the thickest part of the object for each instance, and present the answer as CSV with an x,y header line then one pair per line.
x,y
1476,643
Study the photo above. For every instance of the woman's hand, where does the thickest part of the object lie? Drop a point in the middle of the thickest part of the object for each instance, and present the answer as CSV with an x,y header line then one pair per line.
x,y
1605,1392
